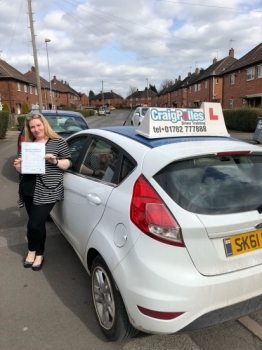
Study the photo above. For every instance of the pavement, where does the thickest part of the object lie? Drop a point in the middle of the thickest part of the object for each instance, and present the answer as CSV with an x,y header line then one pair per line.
x,y
243,136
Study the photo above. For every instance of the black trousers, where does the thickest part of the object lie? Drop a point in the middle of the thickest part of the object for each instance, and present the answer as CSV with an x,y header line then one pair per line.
x,y
36,231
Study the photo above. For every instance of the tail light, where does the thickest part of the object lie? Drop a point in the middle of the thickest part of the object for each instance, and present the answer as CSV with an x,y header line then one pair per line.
x,y
149,213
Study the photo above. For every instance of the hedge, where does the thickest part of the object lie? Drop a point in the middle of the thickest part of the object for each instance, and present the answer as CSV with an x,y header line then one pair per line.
x,y
21,120
242,119
4,118
86,112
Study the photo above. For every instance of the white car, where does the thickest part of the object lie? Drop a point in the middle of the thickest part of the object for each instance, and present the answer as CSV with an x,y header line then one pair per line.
x,y
138,115
166,219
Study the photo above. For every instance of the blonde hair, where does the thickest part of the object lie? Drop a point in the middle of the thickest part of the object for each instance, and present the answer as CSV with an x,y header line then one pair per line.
x,y
49,132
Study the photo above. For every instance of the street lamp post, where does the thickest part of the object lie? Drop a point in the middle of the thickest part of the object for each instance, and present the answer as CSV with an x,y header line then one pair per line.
x,y
48,41
147,90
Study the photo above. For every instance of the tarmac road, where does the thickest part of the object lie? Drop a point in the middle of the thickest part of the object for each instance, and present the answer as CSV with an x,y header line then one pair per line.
x,y
52,309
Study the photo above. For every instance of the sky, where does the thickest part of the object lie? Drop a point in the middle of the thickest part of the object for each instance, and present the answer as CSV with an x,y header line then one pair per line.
x,y
120,44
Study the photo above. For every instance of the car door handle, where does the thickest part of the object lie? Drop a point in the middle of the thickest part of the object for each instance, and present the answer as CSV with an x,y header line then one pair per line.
x,y
93,198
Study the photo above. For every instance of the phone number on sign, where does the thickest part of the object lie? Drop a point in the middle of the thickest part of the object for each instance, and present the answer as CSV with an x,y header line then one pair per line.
x,y
179,129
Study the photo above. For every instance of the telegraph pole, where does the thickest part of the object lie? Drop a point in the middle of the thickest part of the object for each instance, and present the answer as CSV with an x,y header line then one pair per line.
x,y
35,56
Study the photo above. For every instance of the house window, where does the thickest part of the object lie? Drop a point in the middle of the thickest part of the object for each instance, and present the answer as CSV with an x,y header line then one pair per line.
x,y
189,89
206,84
35,91
185,89
149,98
216,80
259,71
195,87
25,88
232,79
31,89
251,73
18,87
198,87
231,103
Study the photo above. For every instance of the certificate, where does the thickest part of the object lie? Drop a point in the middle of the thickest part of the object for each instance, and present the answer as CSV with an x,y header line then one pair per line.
x,y
33,161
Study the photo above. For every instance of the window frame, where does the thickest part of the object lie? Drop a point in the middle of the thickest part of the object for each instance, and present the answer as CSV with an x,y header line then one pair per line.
x,y
250,74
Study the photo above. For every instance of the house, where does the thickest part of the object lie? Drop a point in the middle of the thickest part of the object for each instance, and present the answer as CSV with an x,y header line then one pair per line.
x,y
65,96
242,81
15,88
208,83
107,99
145,97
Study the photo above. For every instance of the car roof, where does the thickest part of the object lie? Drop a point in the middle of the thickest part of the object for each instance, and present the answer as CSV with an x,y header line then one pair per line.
x,y
52,112
130,132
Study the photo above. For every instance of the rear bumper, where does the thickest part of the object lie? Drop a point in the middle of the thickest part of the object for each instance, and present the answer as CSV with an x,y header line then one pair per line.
x,y
163,278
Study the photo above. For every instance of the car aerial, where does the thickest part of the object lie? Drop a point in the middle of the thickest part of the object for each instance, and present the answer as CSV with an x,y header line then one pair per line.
x,y
166,219
64,123
138,115
107,110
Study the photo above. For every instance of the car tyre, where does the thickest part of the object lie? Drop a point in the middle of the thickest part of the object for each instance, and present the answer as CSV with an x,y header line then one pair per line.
x,y
109,306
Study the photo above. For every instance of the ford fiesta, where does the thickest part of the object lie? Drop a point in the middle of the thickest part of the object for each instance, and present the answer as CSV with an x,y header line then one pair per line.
x,y
167,220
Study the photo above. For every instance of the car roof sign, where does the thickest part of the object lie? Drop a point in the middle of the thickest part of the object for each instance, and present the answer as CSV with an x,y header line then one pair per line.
x,y
208,120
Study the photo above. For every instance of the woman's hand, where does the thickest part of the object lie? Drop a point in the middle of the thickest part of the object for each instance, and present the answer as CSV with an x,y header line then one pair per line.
x,y
17,164
51,158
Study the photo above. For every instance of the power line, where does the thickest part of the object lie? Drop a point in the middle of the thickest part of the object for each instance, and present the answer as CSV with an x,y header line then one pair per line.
x,y
219,7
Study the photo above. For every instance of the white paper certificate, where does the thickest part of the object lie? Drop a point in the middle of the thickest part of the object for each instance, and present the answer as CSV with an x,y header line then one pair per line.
x,y
33,161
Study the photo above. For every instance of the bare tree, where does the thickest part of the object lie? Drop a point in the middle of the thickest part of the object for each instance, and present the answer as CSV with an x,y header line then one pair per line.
x,y
131,90
165,83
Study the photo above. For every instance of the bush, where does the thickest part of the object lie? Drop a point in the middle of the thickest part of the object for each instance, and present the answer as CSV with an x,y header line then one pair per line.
x,y
4,117
25,108
6,107
242,119
86,112
21,121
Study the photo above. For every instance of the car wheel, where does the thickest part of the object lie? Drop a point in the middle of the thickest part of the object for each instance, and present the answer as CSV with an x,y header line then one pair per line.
x,y
109,306
132,123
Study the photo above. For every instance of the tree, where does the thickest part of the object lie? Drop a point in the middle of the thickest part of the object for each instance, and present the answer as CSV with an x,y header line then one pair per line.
x,y
25,108
131,90
6,107
165,83
91,94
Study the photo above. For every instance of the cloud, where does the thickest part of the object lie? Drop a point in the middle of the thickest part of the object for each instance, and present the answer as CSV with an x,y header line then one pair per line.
x,y
123,43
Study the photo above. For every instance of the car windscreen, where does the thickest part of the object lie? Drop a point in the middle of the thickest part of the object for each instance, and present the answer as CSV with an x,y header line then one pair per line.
x,y
143,111
66,124
214,184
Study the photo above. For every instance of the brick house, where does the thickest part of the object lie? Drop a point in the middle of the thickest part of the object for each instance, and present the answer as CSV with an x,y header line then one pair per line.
x,y
207,84
15,88
242,81
107,99
65,96
143,97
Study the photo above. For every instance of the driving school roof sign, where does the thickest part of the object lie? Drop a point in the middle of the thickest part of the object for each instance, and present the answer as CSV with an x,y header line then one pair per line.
x,y
177,122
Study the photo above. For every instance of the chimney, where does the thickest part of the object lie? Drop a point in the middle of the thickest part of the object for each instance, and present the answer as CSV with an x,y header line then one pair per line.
x,y
197,71
65,82
179,77
33,69
231,52
176,80
54,79
62,81
189,74
214,60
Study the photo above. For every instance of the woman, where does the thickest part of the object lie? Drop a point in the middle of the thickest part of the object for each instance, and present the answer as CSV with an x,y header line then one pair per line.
x,y
39,193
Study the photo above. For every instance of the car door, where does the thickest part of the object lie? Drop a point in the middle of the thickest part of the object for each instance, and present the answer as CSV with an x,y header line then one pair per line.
x,y
87,190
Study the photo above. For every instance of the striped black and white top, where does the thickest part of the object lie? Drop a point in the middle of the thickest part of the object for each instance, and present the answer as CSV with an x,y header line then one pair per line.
x,y
49,187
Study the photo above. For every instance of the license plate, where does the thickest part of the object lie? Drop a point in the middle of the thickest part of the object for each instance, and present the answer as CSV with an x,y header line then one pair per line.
x,y
243,243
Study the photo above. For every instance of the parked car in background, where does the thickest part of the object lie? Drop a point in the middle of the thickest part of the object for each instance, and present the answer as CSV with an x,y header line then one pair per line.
x,y
166,218
138,115
101,111
107,110
64,123
112,108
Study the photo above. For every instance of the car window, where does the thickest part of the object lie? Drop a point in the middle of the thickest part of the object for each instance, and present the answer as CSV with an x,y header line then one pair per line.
x,y
126,168
75,147
214,185
143,111
100,160
63,123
